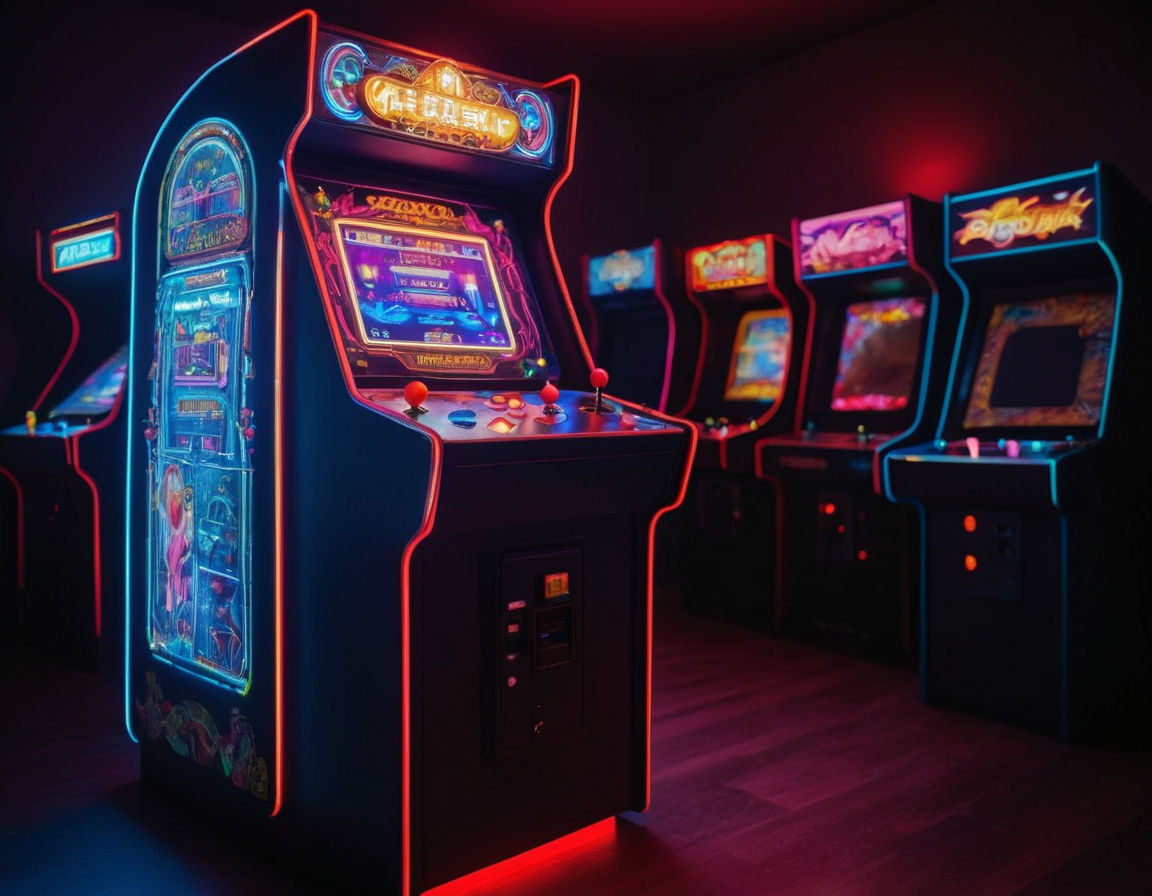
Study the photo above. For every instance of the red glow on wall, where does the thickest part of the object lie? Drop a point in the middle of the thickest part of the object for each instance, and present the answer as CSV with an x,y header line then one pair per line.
x,y
969,562
969,523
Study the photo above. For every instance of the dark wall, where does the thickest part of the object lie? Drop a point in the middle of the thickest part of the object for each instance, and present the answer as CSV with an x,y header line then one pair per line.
x,y
90,86
952,96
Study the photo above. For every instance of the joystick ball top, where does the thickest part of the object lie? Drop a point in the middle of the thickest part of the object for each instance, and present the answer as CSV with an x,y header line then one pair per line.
x,y
549,393
414,393
599,378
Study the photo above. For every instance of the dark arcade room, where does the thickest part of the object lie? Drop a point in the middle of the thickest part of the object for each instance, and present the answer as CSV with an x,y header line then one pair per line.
x,y
527,449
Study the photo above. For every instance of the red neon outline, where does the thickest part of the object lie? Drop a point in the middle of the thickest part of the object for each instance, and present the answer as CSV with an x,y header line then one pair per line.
x,y
71,314
277,426
690,459
809,338
97,581
73,444
573,110
19,525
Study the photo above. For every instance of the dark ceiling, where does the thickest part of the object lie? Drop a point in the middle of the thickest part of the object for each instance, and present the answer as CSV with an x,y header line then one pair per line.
x,y
637,44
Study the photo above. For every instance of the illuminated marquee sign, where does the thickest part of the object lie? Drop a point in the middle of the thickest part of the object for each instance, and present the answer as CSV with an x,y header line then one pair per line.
x,y
728,265
621,271
436,100
80,245
849,241
1022,217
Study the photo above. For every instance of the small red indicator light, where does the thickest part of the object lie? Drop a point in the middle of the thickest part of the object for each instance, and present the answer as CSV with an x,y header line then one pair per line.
x,y
969,562
969,523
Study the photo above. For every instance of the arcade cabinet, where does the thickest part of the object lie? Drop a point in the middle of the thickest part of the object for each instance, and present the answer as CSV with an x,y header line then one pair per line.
x,y
64,462
885,315
389,541
1032,612
753,329
639,327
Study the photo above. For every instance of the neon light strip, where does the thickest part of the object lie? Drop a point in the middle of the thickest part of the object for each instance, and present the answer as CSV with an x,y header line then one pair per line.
x,y
97,571
278,407
573,107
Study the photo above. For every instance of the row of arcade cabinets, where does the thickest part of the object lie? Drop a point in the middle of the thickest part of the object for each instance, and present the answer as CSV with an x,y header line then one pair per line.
x,y
1031,487
710,336
389,539
62,468
751,312
884,313
812,362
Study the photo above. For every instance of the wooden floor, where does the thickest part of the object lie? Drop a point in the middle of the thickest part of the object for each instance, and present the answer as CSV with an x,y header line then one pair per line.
x,y
779,769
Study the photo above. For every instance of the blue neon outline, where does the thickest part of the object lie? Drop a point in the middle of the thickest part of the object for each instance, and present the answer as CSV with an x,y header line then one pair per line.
x,y
848,272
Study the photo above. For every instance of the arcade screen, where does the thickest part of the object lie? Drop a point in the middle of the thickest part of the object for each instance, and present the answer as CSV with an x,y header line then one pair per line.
x,y
759,356
622,271
1043,362
417,287
96,396
879,352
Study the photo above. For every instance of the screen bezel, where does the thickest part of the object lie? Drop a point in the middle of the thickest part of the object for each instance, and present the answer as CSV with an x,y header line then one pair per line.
x,y
973,415
494,288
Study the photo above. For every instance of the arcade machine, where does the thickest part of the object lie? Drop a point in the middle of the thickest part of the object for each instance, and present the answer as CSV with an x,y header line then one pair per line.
x,y
65,460
885,315
389,541
753,329
1026,487
638,324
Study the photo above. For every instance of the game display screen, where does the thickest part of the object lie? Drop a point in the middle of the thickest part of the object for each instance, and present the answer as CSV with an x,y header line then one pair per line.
x,y
96,396
759,357
1043,363
428,287
879,354
623,271
416,287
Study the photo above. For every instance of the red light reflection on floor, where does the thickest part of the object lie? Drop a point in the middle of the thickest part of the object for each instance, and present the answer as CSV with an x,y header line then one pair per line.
x,y
585,845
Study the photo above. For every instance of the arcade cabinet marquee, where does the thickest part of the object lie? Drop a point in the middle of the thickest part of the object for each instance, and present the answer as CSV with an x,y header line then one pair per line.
x,y
389,546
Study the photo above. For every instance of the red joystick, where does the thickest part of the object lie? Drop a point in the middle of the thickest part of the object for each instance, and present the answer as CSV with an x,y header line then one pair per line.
x,y
599,379
414,393
549,394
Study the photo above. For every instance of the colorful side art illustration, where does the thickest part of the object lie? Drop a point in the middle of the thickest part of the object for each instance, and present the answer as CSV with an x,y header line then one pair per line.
x,y
199,425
